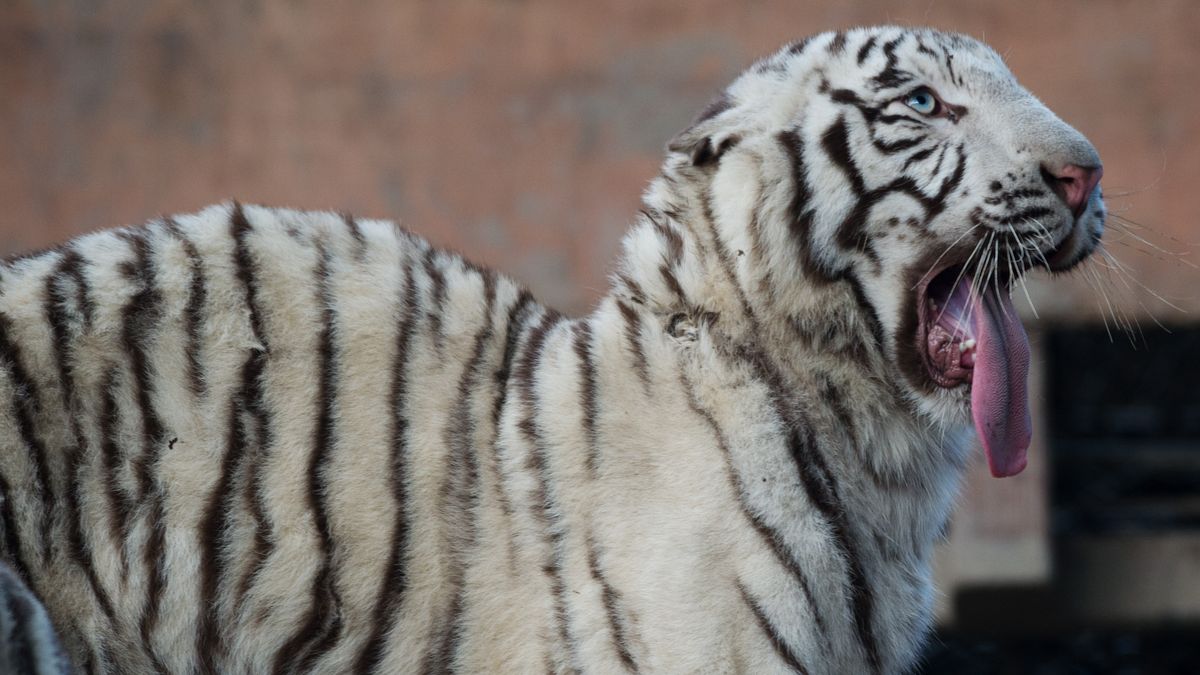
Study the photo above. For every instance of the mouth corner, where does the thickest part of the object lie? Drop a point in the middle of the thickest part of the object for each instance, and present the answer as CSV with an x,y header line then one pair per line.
x,y
946,339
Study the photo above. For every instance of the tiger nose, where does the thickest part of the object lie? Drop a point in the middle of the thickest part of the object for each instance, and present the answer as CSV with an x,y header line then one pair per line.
x,y
1074,184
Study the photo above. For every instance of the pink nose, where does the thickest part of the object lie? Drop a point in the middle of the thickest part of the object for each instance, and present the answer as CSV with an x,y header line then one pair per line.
x,y
1075,184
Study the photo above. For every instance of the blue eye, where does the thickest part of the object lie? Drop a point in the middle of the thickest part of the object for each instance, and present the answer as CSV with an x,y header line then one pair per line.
x,y
923,101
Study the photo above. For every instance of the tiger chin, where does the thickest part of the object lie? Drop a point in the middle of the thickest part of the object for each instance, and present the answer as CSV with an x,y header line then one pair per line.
x,y
262,440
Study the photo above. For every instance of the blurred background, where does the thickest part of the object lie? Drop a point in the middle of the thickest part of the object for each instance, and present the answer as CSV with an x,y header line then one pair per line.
x,y
521,133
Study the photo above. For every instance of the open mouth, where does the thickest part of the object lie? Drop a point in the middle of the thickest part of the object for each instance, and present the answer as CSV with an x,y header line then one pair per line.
x,y
973,336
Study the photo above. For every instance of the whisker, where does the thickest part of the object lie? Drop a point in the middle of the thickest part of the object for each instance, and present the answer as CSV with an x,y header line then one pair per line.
x,y
943,255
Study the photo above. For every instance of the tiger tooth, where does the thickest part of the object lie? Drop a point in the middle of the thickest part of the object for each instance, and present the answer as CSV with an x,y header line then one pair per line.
x,y
966,344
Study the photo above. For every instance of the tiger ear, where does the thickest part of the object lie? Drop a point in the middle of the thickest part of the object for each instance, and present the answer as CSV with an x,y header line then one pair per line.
x,y
707,138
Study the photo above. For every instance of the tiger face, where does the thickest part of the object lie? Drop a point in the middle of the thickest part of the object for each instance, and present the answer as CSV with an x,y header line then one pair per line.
x,y
911,165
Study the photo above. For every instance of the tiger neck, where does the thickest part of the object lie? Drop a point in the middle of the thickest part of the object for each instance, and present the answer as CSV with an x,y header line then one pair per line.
x,y
817,343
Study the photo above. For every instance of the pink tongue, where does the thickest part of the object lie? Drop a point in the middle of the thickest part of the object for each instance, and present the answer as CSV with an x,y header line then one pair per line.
x,y
999,401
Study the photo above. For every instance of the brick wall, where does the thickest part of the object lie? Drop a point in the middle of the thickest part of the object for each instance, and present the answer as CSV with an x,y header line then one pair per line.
x,y
518,132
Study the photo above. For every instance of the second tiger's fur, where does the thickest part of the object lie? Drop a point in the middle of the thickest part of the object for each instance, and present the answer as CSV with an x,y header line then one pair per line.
x,y
260,440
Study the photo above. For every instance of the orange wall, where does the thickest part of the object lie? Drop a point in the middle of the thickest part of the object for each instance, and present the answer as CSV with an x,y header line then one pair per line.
x,y
518,132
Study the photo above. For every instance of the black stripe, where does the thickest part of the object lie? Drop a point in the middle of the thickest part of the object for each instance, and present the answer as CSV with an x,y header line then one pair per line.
x,y
669,235
865,50
798,46
781,647
636,293
587,392
937,166
770,536
193,316
891,76
395,581
360,242
460,489
323,626
800,213
517,316
838,44
673,284
25,400
633,334
139,318
836,143
543,504
899,118
70,266
726,262
918,156
120,502
820,486
897,146
823,492
950,184
611,599
438,298
924,49
210,647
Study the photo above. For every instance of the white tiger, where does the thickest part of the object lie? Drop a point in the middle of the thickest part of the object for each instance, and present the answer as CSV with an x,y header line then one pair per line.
x,y
260,440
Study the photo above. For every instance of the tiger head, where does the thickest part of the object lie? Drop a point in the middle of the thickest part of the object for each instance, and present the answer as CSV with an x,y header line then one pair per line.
x,y
911,167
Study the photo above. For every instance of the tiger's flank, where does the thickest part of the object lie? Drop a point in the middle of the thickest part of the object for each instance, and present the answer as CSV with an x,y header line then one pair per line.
x,y
260,440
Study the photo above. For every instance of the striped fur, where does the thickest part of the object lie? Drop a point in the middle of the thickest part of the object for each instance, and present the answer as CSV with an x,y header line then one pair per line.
x,y
260,440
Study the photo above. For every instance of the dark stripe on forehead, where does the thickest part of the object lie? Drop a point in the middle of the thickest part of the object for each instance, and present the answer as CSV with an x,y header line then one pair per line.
x,y
838,44
891,76
798,46
865,51
924,48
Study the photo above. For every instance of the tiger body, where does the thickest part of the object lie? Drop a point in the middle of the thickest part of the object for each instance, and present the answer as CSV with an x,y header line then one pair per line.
x,y
262,440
